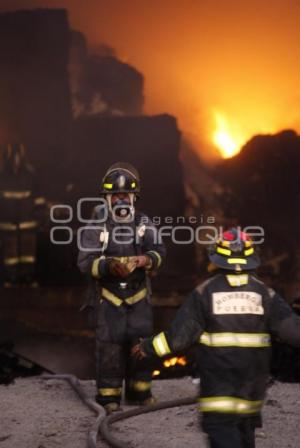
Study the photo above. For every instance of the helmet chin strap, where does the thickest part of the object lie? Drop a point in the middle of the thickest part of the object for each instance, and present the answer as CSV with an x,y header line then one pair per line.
x,y
129,216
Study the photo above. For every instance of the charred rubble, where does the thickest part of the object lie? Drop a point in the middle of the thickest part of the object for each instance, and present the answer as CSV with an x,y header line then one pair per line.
x,y
78,112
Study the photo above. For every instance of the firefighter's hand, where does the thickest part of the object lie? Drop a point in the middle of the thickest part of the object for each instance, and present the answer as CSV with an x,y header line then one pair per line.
x,y
143,261
138,352
118,269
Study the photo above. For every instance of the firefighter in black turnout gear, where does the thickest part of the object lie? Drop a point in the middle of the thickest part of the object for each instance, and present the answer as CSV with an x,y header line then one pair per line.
x,y
119,251
231,317
18,224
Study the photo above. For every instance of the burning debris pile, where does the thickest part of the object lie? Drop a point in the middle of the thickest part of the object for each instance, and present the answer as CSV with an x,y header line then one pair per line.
x,y
258,187
262,189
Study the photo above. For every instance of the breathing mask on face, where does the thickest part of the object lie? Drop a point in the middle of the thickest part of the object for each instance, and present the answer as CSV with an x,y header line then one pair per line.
x,y
121,209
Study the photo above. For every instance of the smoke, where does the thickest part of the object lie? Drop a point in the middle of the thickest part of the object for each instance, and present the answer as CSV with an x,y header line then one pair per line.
x,y
239,59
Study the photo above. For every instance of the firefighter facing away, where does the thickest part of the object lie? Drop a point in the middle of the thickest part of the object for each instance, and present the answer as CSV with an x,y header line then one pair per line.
x,y
231,317
119,252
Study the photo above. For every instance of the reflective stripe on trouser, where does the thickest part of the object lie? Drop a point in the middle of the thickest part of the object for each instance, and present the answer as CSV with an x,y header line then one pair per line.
x,y
138,390
11,227
108,394
117,329
140,386
161,345
254,340
19,256
110,371
11,261
229,405
110,391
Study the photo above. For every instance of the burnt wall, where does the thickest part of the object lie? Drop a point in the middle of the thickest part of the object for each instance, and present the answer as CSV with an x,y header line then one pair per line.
x,y
34,85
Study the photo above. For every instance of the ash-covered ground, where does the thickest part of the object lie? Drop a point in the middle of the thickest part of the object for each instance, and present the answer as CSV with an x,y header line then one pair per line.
x,y
38,413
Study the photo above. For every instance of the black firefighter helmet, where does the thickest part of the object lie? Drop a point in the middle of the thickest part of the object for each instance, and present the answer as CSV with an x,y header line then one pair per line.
x,y
121,177
234,250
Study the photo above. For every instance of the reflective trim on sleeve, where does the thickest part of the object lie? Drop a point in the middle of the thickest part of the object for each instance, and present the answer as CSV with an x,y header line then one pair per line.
x,y
7,226
157,255
16,194
255,340
40,200
95,266
27,259
110,391
230,405
161,345
140,386
11,261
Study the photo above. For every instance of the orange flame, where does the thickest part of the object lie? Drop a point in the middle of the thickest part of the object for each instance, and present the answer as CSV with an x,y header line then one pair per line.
x,y
171,362
229,143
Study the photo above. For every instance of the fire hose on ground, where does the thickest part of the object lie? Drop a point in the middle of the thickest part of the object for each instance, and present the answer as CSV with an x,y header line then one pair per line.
x,y
103,421
91,404
117,416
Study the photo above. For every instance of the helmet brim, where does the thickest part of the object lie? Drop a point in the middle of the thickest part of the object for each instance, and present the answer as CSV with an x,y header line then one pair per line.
x,y
246,264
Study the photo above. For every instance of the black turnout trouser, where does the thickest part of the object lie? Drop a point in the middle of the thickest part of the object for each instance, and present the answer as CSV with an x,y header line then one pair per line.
x,y
19,256
230,431
117,330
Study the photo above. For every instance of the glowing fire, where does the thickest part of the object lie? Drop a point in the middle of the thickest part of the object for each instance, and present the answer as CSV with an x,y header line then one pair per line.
x,y
228,143
171,362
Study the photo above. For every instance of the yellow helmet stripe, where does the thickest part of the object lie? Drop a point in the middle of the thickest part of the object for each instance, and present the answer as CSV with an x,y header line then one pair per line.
x,y
221,250
108,186
249,251
236,261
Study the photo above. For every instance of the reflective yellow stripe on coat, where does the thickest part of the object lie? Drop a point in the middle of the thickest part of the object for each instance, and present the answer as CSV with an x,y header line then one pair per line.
x,y
236,339
115,300
15,194
231,405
